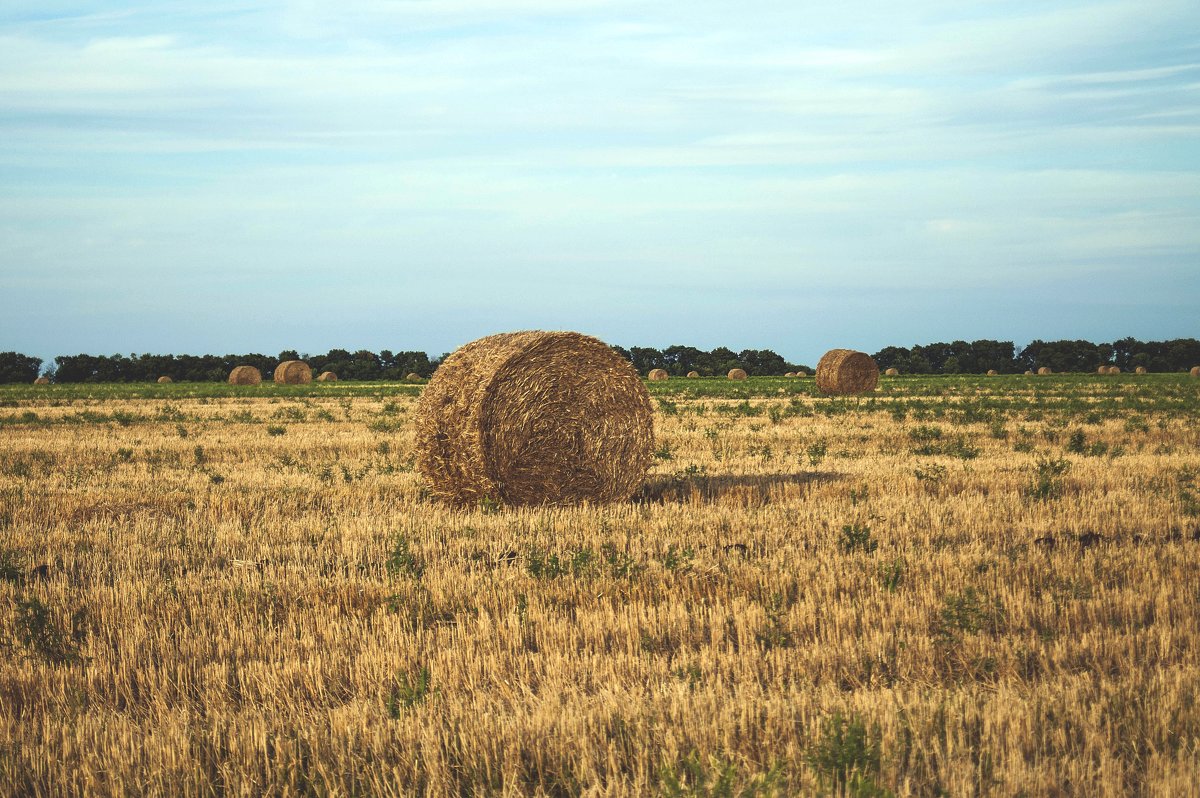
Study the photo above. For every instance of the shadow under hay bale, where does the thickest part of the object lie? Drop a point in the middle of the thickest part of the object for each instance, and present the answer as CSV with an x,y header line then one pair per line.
x,y
751,490
532,418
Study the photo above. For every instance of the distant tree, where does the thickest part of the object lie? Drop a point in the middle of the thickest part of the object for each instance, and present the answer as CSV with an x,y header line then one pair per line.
x,y
15,367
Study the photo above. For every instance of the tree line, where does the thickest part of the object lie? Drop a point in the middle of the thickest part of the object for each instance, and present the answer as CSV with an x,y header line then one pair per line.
x,y
957,357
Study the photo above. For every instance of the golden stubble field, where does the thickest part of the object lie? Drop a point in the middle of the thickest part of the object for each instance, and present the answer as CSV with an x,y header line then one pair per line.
x,y
919,594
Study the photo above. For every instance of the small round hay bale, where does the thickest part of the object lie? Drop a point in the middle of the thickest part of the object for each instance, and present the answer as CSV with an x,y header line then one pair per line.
x,y
737,374
1138,370
1028,373
412,376
531,418
992,373
1195,372
1102,370
658,374
293,372
846,372
893,372
245,375
1045,370
163,380
691,375
43,380
790,374
326,376
1114,369
801,373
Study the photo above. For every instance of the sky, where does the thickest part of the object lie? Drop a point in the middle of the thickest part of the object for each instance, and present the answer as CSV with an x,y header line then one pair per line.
x,y
228,177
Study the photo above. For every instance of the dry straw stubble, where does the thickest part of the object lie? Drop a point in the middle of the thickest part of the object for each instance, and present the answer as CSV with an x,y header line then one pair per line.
x,y
531,418
293,372
245,375
846,372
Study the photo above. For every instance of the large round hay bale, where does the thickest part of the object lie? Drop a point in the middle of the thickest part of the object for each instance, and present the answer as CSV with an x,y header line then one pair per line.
x,y
691,375
1140,370
993,373
532,418
1045,370
737,374
658,374
326,376
1195,372
42,381
893,372
845,372
163,380
293,372
245,375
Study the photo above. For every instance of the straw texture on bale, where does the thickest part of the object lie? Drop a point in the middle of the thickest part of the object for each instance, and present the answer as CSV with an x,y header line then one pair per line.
x,y
992,373
164,380
658,374
326,376
892,372
693,375
531,418
1045,370
737,374
846,372
245,375
42,381
293,372
1102,370
1114,369
1139,370
1195,372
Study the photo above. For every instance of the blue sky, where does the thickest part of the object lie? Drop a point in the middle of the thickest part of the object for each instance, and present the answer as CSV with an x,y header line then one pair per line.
x,y
259,176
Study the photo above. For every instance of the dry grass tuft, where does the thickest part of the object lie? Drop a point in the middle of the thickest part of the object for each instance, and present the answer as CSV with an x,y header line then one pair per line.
x,y
327,376
737,374
532,418
293,372
245,375
846,372
658,374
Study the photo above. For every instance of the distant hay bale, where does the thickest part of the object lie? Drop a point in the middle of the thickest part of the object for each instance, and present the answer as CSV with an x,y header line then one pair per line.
x,y
658,374
245,375
1140,370
1045,370
737,374
992,373
412,376
1195,372
1114,370
46,380
846,372
801,373
691,375
1028,373
327,376
790,374
293,372
1102,370
893,372
531,418
164,380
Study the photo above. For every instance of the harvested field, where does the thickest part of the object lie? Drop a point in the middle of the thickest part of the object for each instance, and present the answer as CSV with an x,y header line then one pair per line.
x,y
991,582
